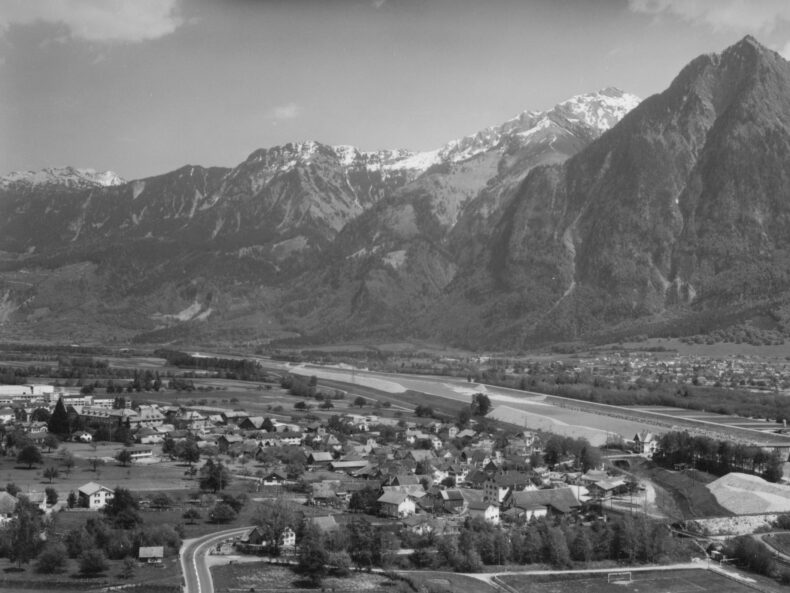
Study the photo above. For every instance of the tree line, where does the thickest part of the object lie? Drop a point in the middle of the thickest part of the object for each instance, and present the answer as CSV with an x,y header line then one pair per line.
x,y
716,456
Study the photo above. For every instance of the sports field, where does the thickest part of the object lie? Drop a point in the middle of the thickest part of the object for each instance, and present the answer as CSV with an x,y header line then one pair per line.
x,y
674,581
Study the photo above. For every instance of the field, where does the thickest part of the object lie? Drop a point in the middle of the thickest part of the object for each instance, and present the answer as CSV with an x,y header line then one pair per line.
x,y
261,576
534,411
688,498
721,420
675,581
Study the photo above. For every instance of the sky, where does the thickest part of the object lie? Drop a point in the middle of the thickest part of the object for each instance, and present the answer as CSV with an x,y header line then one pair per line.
x,y
142,87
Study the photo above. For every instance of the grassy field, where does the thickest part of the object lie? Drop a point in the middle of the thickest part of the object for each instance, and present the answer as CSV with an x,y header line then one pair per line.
x,y
690,499
261,576
676,581
164,579
448,582
780,541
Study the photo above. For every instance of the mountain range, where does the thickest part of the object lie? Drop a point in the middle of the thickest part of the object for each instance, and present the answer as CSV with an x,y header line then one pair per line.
x,y
601,218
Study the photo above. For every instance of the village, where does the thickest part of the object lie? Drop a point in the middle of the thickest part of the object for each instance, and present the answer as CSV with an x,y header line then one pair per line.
x,y
291,457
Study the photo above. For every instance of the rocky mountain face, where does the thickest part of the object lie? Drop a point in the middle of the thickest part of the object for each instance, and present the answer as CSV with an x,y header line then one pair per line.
x,y
597,219
301,238
677,214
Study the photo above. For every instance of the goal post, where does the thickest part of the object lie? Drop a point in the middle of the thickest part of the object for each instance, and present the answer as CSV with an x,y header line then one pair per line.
x,y
623,576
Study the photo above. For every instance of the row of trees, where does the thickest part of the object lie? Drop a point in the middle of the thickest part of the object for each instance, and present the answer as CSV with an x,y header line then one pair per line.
x,y
563,545
717,457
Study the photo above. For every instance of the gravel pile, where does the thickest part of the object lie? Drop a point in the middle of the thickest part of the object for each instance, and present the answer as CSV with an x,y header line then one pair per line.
x,y
744,494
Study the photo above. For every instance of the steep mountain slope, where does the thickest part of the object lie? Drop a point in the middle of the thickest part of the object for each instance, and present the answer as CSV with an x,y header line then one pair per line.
x,y
398,256
680,209
81,252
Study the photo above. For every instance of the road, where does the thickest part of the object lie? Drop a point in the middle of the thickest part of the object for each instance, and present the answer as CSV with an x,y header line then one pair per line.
x,y
197,575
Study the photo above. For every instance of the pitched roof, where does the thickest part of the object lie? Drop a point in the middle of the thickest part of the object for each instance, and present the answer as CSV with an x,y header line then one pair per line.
x,y
91,488
394,497
561,499
7,503
151,552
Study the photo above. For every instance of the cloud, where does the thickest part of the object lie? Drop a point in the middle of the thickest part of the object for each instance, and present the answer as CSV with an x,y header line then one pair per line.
x,y
104,21
287,111
378,3
744,16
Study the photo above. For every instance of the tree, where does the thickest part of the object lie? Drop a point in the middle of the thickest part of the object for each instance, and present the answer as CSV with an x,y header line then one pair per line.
x,y
129,566
364,544
122,509
124,457
51,442
222,513
481,404
95,462
190,452
92,562
67,459
71,501
52,558
423,411
30,455
312,555
214,476
51,473
773,467
191,515
464,415
272,519
25,533
360,401
161,501
52,496
59,421
590,458
40,415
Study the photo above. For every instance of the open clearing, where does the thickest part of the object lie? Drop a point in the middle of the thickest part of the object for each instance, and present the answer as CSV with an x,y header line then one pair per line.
x,y
262,576
676,581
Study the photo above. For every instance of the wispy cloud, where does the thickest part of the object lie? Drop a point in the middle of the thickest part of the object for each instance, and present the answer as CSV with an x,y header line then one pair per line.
x,y
378,3
97,20
740,16
287,111
722,15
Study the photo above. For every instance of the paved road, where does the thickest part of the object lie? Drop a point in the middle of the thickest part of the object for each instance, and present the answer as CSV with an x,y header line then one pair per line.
x,y
197,575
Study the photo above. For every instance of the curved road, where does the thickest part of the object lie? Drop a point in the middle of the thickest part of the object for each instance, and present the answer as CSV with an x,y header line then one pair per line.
x,y
197,575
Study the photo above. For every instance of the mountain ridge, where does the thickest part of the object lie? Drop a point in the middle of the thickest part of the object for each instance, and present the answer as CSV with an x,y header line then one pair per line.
x,y
592,218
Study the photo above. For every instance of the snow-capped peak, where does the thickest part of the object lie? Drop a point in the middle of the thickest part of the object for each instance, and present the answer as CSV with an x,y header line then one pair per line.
x,y
69,177
600,110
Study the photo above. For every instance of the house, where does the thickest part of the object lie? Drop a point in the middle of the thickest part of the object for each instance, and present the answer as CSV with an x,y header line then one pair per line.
x,y
646,443
275,478
226,441
288,538
94,496
488,511
151,554
7,506
251,423
38,499
320,457
539,503
324,524
396,504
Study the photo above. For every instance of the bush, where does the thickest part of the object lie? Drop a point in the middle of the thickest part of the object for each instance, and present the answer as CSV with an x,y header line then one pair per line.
x,y
52,558
92,562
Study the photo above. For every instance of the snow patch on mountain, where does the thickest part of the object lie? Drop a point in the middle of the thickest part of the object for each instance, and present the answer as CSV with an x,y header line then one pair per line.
x,y
62,176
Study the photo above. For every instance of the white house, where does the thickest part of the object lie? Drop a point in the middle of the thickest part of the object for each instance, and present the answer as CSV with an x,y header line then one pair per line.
x,y
397,504
94,496
485,510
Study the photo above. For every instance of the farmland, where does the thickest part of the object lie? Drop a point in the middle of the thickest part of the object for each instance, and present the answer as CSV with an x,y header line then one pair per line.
x,y
676,581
